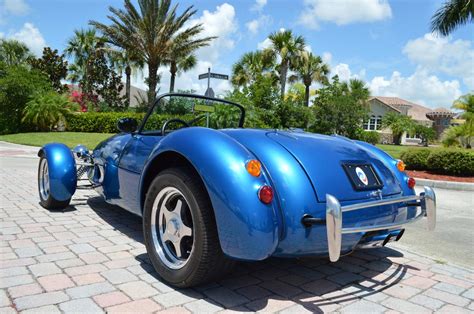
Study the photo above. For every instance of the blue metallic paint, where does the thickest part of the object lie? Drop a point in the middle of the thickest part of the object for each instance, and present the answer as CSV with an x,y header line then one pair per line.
x,y
62,170
301,167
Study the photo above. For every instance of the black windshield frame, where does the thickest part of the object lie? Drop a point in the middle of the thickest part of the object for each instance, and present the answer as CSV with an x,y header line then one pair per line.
x,y
223,101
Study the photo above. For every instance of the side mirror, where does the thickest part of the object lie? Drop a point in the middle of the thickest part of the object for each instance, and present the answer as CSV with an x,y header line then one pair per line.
x,y
127,125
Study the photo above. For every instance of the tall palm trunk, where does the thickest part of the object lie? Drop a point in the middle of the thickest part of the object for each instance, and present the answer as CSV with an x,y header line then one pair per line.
x,y
306,94
283,73
173,70
152,82
128,74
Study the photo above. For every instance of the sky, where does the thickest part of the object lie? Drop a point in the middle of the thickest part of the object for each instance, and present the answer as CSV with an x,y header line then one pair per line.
x,y
387,43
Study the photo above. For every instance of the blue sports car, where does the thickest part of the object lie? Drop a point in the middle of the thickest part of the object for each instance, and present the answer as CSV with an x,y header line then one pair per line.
x,y
211,192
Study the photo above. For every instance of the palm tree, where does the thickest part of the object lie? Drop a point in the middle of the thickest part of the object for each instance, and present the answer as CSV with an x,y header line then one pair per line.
x,y
125,61
309,68
251,66
13,52
451,15
150,32
357,89
287,47
180,64
80,47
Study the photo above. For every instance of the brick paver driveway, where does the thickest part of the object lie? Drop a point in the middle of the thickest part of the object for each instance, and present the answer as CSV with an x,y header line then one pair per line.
x,y
91,258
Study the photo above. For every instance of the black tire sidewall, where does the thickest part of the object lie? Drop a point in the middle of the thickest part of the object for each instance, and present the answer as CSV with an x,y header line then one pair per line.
x,y
175,178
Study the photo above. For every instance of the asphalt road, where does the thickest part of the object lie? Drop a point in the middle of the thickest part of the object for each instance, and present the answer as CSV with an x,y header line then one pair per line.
x,y
452,241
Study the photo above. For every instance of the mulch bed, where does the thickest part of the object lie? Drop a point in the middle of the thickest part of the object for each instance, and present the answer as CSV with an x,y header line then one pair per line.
x,y
439,177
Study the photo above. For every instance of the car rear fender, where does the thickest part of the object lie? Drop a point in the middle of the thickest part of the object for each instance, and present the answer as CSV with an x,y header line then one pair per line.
x,y
247,228
62,170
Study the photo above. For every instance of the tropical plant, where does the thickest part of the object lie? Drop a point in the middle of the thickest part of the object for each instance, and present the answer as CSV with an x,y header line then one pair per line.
x,y
426,134
53,65
125,61
399,124
150,31
13,52
178,65
339,108
47,110
252,66
464,133
17,85
451,15
308,69
80,47
287,47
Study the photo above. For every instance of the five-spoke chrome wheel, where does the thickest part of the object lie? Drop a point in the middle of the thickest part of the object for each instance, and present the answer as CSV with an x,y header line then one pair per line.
x,y
43,179
172,228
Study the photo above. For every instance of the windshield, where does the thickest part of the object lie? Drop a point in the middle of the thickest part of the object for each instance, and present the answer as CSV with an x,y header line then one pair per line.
x,y
194,110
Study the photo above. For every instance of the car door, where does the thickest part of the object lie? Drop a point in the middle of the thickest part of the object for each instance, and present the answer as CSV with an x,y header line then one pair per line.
x,y
133,159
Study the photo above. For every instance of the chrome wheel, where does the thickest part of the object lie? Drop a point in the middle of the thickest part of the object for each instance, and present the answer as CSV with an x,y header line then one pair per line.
x,y
43,179
172,228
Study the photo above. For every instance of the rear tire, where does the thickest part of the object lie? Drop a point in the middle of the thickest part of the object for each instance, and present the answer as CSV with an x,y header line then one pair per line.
x,y
46,199
180,230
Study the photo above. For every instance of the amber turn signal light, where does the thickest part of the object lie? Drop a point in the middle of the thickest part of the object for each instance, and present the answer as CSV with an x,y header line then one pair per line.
x,y
400,165
254,167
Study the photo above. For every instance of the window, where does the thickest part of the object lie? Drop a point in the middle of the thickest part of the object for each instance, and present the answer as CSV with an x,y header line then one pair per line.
x,y
374,123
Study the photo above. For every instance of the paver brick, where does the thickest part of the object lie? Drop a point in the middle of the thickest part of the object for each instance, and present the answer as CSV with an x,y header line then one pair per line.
x,y
55,282
450,309
118,276
446,287
203,306
4,300
404,306
15,281
426,301
38,300
225,296
138,289
177,298
43,269
87,279
80,306
89,290
47,309
401,291
111,298
86,269
139,306
363,306
419,282
446,297
24,290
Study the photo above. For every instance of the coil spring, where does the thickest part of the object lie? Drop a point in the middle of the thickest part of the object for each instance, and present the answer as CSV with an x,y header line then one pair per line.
x,y
81,170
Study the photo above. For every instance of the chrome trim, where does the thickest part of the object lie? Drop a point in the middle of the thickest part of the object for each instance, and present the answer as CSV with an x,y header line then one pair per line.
x,y
334,212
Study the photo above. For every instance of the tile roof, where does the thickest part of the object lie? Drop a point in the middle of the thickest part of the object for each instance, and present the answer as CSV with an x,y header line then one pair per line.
x,y
417,112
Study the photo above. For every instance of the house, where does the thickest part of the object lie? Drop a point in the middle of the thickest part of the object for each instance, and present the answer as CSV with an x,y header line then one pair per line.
x,y
379,106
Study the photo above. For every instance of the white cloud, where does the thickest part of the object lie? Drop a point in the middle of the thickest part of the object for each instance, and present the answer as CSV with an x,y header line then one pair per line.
x,y
254,25
264,44
420,87
12,7
327,57
343,12
259,4
441,54
344,72
30,36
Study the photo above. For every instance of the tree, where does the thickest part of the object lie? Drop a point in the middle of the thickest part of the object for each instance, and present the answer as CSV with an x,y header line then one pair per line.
x,y
252,66
427,134
180,64
17,85
13,52
464,132
309,68
53,65
150,32
125,61
339,108
398,123
47,110
287,46
451,15
80,47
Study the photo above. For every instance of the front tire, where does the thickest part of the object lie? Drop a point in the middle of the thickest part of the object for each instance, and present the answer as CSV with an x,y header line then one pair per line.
x,y
46,199
180,230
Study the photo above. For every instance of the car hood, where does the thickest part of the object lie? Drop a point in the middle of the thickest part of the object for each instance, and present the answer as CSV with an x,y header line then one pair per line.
x,y
322,157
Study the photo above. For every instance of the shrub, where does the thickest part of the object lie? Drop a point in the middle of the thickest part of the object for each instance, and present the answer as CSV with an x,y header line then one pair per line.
x,y
371,137
443,161
452,162
47,110
416,159
17,86
106,122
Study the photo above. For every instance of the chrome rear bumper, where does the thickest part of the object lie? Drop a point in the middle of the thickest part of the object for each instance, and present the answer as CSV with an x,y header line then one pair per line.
x,y
426,201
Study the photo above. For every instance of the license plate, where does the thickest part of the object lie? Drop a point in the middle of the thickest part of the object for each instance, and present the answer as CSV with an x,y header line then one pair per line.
x,y
362,176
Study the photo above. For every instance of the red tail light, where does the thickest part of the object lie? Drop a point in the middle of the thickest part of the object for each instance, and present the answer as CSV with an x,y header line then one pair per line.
x,y
265,194
411,183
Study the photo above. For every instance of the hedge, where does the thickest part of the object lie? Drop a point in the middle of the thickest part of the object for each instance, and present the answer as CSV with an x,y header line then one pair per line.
x,y
371,137
106,122
443,161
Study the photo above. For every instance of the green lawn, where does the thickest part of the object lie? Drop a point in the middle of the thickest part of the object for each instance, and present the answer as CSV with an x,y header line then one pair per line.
x,y
71,139
396,150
